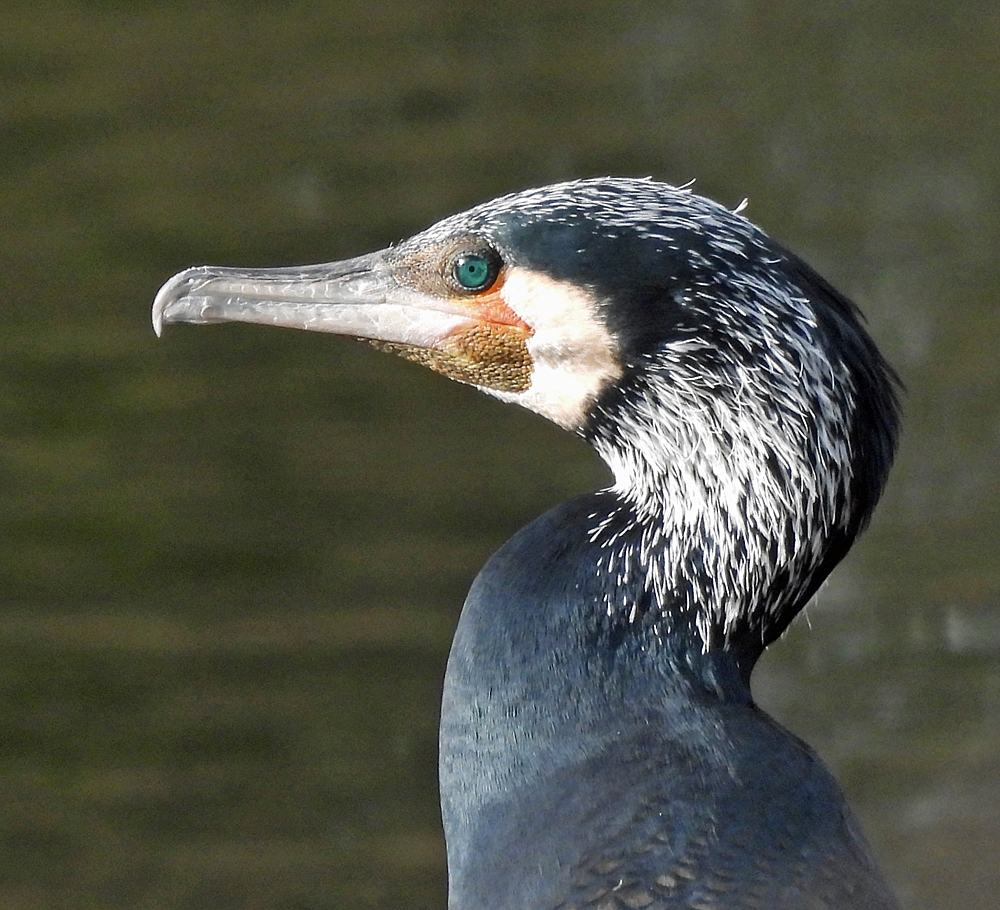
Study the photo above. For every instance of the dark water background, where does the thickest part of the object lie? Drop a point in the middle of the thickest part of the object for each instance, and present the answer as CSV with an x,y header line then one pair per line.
x,y
232,560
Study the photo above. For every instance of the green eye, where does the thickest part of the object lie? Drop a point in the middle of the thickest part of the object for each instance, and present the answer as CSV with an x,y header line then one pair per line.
x,y
474,272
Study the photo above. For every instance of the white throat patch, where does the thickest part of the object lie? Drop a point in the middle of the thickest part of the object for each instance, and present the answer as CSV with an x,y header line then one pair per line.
x,y
573,354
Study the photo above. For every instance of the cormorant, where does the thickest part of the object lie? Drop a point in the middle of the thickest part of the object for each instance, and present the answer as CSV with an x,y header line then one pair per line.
x,y
600,747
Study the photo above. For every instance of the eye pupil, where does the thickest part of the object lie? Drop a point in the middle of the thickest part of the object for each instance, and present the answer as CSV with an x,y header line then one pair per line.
x,y
473,272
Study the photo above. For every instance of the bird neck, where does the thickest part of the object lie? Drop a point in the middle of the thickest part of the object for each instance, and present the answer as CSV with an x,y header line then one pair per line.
x,y
557,655
732,510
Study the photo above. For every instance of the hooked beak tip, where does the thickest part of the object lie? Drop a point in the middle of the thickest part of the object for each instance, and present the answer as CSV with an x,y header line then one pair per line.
x,y
173,290
159,305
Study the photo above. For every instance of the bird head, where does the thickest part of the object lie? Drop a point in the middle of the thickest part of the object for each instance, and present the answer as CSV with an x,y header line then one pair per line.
x,y
747,416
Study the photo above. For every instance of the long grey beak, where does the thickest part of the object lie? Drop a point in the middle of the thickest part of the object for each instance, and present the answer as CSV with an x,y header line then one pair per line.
x,y
359,297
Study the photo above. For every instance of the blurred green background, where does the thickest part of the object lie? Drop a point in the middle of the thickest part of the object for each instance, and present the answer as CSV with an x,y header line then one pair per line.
x,y
232,560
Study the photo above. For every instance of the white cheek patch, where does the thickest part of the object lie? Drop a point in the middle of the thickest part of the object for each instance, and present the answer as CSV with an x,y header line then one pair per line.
x,y
573,354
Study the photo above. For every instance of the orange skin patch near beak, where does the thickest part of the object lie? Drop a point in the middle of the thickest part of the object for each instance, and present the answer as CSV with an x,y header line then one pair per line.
x,y
492,308
491,351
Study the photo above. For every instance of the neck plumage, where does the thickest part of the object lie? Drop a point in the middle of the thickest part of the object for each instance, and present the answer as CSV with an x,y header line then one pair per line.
x,y
735,509
633,613
554,661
